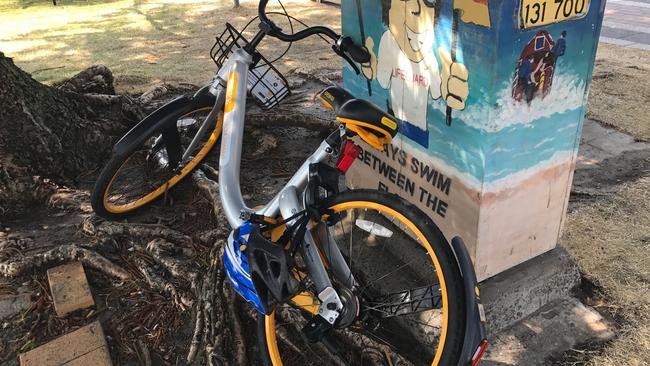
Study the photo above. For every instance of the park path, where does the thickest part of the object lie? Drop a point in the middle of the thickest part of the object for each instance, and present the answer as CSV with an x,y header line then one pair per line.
x,y
627,23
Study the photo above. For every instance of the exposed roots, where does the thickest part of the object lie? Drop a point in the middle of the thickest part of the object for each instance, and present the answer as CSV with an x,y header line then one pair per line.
x,y
132,230
210,188
63,253
157,282
210,313
70,199
238,335
153,93
291,118
95,79
163,252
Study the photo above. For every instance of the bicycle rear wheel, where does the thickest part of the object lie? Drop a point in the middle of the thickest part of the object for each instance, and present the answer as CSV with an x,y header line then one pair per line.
x,y
409,299
132,180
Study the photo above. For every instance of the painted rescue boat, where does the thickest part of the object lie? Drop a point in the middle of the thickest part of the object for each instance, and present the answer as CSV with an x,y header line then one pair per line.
x,y
539,47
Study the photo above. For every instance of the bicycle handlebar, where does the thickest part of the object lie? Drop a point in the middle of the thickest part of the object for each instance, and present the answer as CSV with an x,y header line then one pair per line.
x,y
344,46
276,32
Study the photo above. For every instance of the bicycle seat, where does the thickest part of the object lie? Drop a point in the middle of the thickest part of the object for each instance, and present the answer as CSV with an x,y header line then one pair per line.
x,y
371,123
333,97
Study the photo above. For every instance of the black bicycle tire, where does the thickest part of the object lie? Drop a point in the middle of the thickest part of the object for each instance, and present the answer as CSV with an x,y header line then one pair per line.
x,y
117,159
456,297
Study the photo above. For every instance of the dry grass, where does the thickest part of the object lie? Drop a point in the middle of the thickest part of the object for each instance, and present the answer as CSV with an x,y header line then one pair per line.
x,y
610,239
144,42
620,91
611,242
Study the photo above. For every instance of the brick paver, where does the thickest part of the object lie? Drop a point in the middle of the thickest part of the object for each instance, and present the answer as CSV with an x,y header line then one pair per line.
x,y
84,346
70,290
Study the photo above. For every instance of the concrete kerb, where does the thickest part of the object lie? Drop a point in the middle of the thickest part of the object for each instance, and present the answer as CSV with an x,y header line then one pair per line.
x,y
520,291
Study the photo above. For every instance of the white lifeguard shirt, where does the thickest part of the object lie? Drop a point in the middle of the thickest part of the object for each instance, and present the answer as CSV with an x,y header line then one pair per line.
x,y
410,83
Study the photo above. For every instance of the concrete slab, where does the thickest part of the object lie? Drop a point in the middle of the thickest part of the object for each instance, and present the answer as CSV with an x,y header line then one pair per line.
x,y
70,289
606,159
11,305
600,143
520,291
612,141
554,329
84,346
592,130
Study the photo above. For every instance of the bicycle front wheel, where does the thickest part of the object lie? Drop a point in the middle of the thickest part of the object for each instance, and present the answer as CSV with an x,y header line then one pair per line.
x,y
406,307
132,180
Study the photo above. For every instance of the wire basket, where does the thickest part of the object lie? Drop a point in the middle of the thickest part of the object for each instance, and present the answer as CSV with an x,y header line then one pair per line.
x,y
266,84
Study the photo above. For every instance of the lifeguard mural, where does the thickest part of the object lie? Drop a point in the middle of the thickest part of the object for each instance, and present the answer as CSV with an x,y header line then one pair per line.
x,y
512,78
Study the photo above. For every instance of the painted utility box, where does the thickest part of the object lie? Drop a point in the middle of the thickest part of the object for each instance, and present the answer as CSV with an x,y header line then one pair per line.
x,y
491,97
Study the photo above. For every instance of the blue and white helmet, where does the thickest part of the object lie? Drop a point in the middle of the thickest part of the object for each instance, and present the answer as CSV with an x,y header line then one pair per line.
x,y
236,265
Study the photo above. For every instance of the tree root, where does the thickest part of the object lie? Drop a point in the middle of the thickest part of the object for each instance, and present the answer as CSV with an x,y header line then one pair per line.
x,y
210,189
236,328
153,93
70,199
162,251
290,118
182,300
63,253
133,230
95,79
198,329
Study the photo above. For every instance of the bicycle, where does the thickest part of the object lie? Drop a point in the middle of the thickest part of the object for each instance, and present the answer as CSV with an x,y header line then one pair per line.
x,y
336,276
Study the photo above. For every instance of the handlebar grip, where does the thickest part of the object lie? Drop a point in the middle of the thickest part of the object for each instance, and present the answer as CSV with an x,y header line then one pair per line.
x,y
357,53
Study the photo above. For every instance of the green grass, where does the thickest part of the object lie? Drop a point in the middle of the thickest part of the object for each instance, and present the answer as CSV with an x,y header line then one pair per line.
x,y
143,42
55,42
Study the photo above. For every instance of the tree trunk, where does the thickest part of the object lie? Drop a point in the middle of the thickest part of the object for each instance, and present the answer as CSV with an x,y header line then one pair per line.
x,y
52,133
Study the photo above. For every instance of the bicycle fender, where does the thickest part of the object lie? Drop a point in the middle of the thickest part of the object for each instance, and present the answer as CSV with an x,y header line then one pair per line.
x,y
475,342
160,119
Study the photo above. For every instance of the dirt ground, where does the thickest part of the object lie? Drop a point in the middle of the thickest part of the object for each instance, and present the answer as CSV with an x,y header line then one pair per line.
x,y
146,42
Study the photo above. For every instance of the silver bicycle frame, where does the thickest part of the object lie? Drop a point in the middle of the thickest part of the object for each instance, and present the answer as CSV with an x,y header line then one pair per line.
x,y
288,201
231,146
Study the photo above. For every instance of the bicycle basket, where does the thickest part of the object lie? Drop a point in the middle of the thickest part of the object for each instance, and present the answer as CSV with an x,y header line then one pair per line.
x,y
266,84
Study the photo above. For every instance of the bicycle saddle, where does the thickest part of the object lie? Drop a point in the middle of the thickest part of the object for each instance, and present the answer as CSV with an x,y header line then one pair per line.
x,y
371,123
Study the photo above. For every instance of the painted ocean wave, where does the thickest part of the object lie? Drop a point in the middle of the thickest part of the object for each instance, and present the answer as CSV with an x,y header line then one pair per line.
x,y
567,93
513,149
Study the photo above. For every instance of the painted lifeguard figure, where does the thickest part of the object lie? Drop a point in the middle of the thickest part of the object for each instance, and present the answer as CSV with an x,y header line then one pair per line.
x,y
405,64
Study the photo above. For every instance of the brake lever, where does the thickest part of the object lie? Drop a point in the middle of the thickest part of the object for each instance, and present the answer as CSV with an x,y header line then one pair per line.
x,y
347,58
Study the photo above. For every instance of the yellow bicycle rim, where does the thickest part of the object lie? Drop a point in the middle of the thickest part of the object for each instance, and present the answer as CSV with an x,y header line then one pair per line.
x,y
269,320
118,209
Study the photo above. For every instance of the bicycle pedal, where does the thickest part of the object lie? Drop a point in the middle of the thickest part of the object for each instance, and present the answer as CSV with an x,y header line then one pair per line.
x,y
316,329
